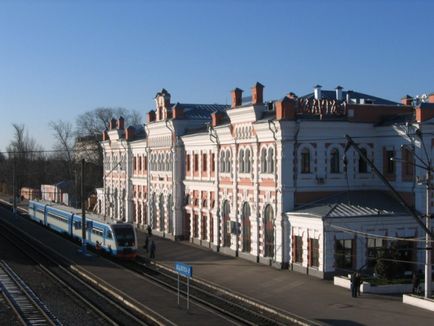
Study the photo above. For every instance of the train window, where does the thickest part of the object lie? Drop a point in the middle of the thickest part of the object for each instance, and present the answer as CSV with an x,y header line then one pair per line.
x,y
97,231
58,217
77,225
109,235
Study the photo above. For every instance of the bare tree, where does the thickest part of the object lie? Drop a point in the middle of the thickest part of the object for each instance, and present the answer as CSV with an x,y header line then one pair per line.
x,y
26,158
94,122
64,146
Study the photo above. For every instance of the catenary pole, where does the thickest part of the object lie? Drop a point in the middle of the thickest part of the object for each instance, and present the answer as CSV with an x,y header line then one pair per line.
x,y
83,209
428,247
426,227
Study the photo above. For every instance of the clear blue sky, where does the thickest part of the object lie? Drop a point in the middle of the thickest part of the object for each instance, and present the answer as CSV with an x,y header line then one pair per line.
x,y
61,58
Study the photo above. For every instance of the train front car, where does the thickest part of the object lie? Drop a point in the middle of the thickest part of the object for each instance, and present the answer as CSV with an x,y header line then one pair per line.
x,y
126,240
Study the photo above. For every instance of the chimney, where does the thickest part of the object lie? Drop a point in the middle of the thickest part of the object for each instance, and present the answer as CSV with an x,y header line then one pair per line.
x,y
121,123
129,134
339,93
424,112
216,118
236,97
105,135
407,100
151,116
431,98
257,93
112,124
317,92
292,95
177,112
285,109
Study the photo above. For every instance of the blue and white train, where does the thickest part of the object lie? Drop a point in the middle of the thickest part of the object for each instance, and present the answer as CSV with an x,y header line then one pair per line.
x,y
118,239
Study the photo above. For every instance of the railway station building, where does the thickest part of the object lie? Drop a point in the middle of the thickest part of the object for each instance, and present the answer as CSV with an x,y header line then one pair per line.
x,y
274,181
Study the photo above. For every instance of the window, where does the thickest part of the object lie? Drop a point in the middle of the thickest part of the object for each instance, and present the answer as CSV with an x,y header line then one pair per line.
x,y
241,160
195,226
161,208
305,161
228,161
407,164
390,163
363,165
145,164
246,227
223,162
334,161
298,249
213,162
168,159
204,229
247,165
196,162
187,163
204,162
170,212
226,210
344,254
270,161
374,247
269,231
134,163
314,252
264,160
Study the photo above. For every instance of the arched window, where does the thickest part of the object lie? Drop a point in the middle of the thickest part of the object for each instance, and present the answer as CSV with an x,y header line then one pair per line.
x,y
247,164
154,210
170,212
167,162
228,161
226,210
241,160
223,162
264,160
161,207
363,165
268,231
334,161
305,161
270,160
246,227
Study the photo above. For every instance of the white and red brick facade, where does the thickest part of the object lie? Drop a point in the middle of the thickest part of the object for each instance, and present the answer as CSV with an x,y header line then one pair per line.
x,y
232,178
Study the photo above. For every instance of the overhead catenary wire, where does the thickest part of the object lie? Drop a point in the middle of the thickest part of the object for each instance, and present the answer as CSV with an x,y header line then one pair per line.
x,y
342,138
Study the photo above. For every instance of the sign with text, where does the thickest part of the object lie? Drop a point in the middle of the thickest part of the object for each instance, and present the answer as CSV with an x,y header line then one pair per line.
x,y
184,269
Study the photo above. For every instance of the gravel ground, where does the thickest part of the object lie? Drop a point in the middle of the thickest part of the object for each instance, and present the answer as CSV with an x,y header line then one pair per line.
x,y
7,315
63,304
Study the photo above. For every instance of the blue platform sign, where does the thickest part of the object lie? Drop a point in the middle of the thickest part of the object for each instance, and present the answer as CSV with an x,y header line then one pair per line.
x,y
184,269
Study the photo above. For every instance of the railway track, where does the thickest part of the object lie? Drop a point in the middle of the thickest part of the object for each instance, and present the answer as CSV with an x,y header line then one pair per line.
x,y
25,303
242,312
112,312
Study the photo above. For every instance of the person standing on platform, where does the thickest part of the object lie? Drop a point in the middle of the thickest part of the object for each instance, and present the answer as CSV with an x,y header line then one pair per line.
x,y
149,230
354,285
152,250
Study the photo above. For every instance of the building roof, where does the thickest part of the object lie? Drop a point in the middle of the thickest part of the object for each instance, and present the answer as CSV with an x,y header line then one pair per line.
x,y
354,96
139,131
200,111
354,204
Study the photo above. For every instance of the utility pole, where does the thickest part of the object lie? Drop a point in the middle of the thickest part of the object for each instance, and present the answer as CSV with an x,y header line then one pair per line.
x,y
428,247
14,191
83,210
